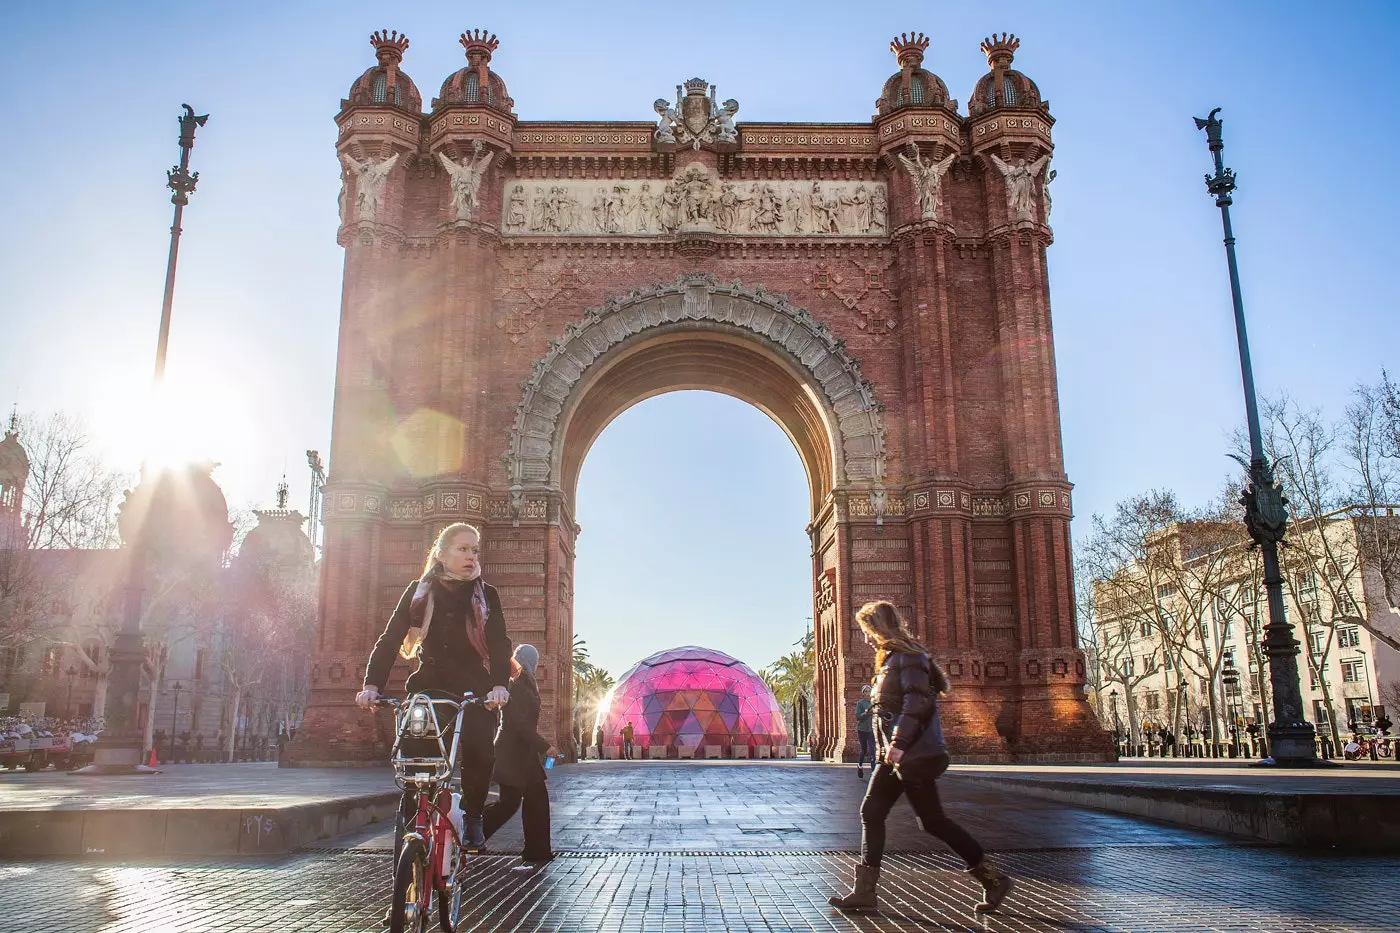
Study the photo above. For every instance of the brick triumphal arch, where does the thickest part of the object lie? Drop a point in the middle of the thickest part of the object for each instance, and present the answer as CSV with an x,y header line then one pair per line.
x,y
877,288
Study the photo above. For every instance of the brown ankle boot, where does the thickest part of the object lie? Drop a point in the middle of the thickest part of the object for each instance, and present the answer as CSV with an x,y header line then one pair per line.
x,y
862,896
995,885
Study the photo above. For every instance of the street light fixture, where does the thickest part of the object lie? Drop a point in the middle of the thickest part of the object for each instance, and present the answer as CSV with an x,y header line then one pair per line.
x,y
118,751
174,714
1291,737
1117,723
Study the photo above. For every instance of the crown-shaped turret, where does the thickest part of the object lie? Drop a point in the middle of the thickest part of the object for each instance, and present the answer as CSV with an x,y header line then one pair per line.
x,y
476,83
912,86
389,46
697,86
1002,86
1000,50
384,83
478,42
909,48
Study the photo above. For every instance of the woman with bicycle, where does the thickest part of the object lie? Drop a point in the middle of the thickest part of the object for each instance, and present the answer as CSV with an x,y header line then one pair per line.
x,y
519,771
451,621
912,756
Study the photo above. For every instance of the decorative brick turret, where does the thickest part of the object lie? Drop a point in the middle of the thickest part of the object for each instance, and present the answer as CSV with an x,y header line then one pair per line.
x,y
912,86
1001,86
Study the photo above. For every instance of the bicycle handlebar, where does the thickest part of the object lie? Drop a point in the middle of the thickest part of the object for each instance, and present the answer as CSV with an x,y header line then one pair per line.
x,y
467,700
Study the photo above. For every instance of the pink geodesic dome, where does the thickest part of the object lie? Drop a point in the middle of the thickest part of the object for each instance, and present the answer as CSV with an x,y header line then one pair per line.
x,y
691,697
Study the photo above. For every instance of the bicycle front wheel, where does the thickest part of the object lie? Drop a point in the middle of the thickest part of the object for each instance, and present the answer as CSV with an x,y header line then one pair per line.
x,y
451,900
408,912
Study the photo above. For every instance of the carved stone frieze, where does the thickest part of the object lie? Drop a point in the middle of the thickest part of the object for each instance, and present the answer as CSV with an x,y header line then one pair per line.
x,y
694,199
836,377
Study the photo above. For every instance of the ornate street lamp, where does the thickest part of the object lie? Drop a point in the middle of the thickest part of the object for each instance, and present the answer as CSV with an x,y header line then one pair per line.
x,y
1117,723
1266,509
68,704
118,751
174,714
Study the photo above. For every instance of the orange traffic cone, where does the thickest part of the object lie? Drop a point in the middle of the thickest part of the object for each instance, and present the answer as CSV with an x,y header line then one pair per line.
x,y
152,762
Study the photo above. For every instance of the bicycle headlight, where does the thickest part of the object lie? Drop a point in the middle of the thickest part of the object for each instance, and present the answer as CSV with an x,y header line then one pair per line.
x,y
418,720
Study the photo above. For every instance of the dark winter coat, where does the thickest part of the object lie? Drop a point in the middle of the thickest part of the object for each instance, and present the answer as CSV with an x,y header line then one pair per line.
x,y
906,697
447,661
519,746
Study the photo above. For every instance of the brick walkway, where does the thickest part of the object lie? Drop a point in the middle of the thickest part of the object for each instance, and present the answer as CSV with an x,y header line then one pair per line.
x,y
755,846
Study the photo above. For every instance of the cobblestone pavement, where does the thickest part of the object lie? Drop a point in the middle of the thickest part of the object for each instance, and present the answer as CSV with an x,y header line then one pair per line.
x,y
737,806
1138,888
743,847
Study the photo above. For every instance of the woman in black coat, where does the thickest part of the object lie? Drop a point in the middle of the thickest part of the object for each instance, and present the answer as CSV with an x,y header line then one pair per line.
x,y
912,756
519,769
451,622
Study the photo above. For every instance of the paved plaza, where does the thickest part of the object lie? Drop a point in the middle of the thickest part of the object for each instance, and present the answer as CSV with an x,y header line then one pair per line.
x,y
739,846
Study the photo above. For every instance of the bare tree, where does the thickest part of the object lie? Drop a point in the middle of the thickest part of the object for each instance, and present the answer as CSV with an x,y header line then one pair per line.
x,y
1124,584
1372,446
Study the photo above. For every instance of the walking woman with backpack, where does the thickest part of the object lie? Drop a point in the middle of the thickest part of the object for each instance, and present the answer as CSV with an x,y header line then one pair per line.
x,y
911,757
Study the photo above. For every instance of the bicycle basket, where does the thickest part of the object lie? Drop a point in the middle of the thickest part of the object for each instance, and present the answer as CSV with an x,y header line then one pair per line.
x,y
420,753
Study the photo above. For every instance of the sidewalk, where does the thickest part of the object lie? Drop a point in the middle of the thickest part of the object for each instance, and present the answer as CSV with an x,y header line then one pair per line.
x,y
1355,807
252,808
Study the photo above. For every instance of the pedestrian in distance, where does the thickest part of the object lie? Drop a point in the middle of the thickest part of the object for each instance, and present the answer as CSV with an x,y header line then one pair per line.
x,y
865,731
520,771
600,743
912,756
628,733
450,620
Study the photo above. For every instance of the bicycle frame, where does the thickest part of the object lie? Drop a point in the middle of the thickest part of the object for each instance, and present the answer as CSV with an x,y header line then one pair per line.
x,y
427,782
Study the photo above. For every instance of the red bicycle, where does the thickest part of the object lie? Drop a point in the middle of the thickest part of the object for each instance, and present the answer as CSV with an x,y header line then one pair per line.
x,y
429,859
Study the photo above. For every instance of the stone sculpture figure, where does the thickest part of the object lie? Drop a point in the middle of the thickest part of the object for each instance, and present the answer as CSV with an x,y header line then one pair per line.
x,y
466,177
1020,184
879,211
666,128
792,211
722,120
1045,190
648,217
860,210
537,208
516,213
928,180
369,183
672,205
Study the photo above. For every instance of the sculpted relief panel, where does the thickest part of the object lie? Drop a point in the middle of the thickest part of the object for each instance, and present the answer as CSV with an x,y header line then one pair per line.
x,y
694,201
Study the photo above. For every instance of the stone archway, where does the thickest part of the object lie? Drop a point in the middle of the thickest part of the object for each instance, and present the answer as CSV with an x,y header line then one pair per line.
x,y
790,334
699,333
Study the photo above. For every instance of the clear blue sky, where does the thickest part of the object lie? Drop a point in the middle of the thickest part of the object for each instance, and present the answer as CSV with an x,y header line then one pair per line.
x,y
1148,374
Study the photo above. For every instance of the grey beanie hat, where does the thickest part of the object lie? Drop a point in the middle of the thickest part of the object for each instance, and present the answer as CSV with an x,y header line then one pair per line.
x,y
527,656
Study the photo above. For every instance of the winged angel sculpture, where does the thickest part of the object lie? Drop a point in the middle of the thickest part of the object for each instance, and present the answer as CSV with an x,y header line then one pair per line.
x,y
466,178
928,179
369,185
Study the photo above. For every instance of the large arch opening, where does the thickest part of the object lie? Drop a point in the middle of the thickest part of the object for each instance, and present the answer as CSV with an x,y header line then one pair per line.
x,y
694,506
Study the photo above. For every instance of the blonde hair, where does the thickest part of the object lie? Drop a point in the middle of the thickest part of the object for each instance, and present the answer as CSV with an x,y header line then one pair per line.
x,y
882,621
444,540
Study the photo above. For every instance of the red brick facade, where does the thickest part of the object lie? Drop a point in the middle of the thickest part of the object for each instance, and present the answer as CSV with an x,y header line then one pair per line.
x,y
511,286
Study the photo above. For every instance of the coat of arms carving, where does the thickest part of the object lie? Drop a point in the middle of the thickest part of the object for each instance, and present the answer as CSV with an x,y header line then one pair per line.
x,y
697,117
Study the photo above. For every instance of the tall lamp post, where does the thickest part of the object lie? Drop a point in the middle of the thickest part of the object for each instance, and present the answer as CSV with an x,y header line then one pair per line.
x,y
1266,509
68,704
174,714
119,749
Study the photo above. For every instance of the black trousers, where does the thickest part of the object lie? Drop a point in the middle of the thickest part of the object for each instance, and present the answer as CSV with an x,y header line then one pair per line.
x,y
880,796
534,818
867,749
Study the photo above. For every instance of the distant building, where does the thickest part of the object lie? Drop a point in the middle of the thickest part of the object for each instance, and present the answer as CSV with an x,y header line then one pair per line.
x,y
1170,626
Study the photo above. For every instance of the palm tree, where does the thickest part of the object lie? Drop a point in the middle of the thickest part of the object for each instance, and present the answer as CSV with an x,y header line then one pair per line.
x,y
589,693
790,678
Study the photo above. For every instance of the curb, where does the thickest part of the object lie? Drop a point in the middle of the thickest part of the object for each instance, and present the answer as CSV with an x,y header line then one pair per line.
x,y
1348,822
248,831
